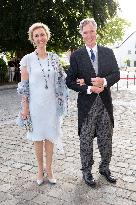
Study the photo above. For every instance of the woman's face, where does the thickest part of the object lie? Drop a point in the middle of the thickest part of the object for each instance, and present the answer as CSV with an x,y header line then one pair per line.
x,y
39,37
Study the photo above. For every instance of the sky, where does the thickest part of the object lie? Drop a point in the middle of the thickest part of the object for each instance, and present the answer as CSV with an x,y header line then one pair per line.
x,y
128,8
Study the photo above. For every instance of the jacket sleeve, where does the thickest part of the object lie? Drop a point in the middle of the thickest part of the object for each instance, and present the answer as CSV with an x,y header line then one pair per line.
x,y
72,76
114,76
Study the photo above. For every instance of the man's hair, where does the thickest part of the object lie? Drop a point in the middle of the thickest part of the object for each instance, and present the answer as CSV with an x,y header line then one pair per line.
x,y
86,21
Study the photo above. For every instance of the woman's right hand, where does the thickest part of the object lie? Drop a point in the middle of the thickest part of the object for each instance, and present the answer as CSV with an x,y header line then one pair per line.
x,y
25,113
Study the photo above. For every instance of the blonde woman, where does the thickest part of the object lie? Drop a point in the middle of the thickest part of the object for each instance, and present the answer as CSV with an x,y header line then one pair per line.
x,y
44,98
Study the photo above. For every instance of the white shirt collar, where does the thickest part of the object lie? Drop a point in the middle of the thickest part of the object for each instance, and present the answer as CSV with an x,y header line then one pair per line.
x,y
94,49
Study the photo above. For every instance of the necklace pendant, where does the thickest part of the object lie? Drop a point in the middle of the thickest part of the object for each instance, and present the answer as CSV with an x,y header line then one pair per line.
x,y
45,76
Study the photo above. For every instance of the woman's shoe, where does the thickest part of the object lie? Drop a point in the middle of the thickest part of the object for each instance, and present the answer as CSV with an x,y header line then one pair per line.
x,y
52,180
40,181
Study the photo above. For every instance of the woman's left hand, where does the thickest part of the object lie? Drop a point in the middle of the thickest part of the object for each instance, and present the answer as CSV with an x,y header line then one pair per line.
x,y
80,81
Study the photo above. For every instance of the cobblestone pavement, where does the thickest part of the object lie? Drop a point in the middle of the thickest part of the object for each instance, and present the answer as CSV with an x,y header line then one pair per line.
x,y
18,166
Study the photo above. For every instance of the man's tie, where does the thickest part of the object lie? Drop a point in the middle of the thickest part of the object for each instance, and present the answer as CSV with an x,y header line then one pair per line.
x,y
92,55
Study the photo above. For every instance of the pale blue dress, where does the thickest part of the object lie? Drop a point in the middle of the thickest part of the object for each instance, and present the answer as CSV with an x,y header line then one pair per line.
x,y
42,105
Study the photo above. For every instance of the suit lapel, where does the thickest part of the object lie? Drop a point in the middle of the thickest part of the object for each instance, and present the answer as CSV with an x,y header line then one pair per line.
x,y
100,59
87,65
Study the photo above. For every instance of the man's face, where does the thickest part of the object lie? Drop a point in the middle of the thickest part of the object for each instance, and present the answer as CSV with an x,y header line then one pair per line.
x,y
89,35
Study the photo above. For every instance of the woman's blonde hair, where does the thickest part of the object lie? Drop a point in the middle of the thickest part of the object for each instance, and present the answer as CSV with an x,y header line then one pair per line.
x,y
35,26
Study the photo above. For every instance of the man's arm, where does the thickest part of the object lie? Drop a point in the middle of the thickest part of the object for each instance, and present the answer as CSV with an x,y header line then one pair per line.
x,y
114,76
72,76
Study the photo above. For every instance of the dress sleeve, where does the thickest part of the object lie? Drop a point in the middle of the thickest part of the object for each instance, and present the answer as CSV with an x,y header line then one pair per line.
x,y
24,63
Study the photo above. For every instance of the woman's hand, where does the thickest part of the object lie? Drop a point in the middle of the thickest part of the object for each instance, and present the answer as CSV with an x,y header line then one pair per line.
x,y
80,81
25,113
25,108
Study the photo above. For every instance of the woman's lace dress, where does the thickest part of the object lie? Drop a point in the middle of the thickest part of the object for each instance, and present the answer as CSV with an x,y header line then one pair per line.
x,y
43,103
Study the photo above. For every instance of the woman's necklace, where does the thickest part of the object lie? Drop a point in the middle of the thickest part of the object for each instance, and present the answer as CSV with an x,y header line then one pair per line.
x,y
46,77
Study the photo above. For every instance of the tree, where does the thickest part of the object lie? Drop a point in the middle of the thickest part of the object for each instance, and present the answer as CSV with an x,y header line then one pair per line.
x,y
3,71
113,31
62,17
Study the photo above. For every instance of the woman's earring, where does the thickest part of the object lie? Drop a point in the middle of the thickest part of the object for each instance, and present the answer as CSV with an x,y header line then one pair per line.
x,y
34,45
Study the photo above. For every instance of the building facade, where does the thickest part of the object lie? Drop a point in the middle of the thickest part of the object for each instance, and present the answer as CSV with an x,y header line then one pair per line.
x,y
126,52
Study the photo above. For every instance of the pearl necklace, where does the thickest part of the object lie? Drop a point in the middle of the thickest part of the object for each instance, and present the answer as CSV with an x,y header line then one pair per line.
x,y
42,69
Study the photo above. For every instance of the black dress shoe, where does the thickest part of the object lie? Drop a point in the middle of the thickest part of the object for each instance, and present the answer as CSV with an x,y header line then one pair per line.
x,y
89,180
108,176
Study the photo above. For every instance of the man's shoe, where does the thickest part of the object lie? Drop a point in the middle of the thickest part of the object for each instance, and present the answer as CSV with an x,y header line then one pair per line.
x,y
108,176
89,180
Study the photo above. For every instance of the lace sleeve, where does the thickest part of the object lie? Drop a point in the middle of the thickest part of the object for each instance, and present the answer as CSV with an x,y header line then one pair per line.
x,y
60,87
24,63
23,88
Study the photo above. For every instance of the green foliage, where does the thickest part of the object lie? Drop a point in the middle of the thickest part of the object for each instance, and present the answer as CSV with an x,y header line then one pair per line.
x,y
113,31
3,70
62,17
66,67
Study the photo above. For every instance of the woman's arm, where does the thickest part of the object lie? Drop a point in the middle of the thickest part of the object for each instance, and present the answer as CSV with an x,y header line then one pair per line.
x,y
24,85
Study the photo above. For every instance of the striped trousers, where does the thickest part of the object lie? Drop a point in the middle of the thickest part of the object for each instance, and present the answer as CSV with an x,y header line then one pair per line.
x,y
97,124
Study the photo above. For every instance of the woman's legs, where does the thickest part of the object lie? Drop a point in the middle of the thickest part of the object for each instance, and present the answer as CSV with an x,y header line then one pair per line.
x,y
38,145
49,155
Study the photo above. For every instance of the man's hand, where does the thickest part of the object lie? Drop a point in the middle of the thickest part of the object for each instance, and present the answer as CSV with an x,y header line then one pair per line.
x,y
98,82
96,89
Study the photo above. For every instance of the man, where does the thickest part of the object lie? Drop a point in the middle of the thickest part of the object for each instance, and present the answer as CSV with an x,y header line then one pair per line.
x,y
93,70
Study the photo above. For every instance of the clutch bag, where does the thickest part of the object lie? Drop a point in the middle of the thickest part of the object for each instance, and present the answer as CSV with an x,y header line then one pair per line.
x,y
27,123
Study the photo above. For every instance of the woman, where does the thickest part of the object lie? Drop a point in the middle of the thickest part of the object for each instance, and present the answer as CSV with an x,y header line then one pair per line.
x,y
44,98
12,67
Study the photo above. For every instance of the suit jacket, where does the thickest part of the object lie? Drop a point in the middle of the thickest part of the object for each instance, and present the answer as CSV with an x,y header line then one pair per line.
x,y
81,67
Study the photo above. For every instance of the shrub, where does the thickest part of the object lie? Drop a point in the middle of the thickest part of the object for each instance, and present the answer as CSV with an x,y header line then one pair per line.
x,y
3,71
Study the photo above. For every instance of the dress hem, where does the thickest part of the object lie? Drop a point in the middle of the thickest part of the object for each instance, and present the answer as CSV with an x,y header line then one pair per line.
x,y
58,144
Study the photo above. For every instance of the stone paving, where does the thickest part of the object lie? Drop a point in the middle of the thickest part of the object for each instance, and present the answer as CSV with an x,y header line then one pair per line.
x,y
18,165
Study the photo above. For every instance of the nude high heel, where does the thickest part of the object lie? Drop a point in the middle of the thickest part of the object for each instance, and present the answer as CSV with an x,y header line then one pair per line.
x,y
52,180
40,181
